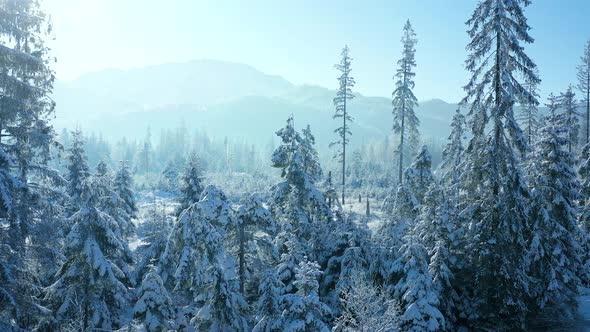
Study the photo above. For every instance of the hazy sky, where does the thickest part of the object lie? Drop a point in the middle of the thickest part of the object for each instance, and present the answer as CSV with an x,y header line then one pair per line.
x,y
301,40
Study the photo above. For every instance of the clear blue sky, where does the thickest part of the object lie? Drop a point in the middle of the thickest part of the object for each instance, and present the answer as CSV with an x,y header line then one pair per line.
x,y
301,40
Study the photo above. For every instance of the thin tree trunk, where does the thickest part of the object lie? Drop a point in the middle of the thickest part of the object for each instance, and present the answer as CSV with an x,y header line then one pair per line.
x,y
344,142
403,129
497,122
241,256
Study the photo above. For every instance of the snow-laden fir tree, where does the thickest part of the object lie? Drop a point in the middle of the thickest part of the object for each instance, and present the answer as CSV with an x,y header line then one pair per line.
x,y
389,236
154,308
418,177
123,185
191,183
249,239
439,235
449,170
199,270
289,262
311,162
366,308
90,287
529,112
555,260
153,231
270,301
571,117
296,199
343,95
111,204
418,296
405,121
494,190
584,87
77,169
303,310
171,174
584,191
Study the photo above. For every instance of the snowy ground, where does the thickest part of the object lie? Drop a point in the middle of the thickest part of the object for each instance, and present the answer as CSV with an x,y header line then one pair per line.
x,y
376,216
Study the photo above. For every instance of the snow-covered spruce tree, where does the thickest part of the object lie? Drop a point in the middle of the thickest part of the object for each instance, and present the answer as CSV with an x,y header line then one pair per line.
x,y
191,183
449,170
405,121
390,234
554,249
418,177
249,240
584,174
111,204
571,117
26,141
296,199
494,190
343,95
584,87
154,308
439,235
77,169
199,270
529,112
123,186
268,306
366,308
90,287
418,296
311,162
171,174
289,262
347,249
303,310
224,309
153,231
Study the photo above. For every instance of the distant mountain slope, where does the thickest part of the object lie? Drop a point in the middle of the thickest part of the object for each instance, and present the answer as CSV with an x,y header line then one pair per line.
x,y
201,82
225,99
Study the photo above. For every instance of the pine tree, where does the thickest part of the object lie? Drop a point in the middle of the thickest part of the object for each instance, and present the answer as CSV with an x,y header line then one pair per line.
x,y
571,117
290,259
418,296
90,286
405,122
201,273
555,251
77,168
452,156
529,116
438,233
154,308
268,313
191,186
250,241
296,200
124,188
303,310
584,86
311,162
340,102
584,175
418,177
494,189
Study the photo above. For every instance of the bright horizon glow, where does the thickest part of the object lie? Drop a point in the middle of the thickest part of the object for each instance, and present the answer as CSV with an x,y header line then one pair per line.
x,y
301,41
